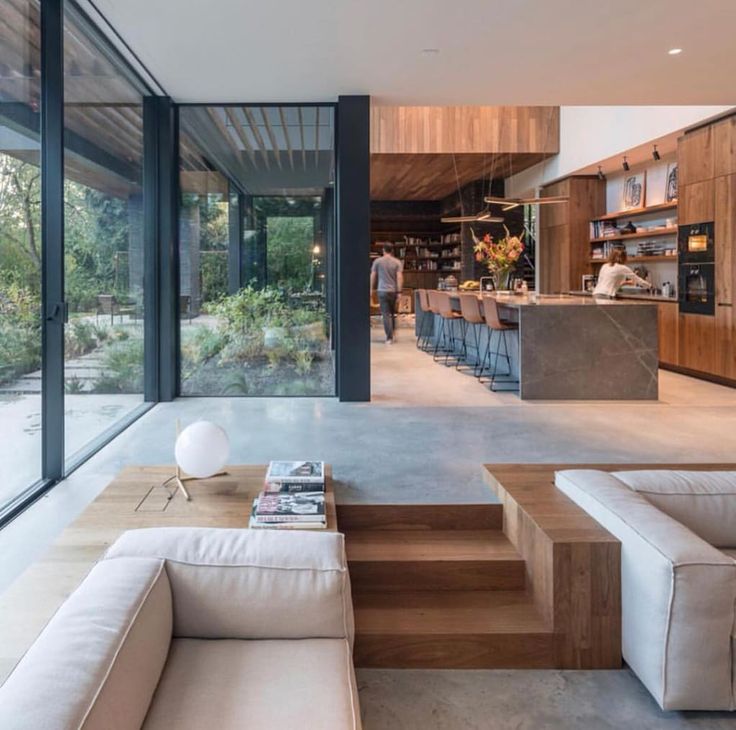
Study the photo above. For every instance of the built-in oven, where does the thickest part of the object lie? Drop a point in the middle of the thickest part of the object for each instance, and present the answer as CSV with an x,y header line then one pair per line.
x,y
697,288
695,243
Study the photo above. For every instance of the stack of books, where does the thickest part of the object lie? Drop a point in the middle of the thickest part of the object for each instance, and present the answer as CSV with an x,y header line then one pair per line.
x,y
293,497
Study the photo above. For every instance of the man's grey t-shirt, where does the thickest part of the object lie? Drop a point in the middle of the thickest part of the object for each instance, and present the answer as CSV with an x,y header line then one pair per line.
x,y
387,269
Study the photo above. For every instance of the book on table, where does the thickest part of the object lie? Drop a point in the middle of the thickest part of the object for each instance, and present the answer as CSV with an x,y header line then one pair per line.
x,y
296,472
277,510
289,487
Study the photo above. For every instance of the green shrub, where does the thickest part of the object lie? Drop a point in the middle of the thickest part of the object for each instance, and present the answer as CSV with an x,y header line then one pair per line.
x,y
20,331
80,338
122,366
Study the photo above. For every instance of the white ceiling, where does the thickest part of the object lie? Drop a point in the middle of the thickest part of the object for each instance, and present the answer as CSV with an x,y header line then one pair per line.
x,y
491,51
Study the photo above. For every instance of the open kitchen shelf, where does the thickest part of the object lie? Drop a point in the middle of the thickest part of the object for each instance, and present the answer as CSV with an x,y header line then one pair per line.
x,y
639,234
640,259
637,211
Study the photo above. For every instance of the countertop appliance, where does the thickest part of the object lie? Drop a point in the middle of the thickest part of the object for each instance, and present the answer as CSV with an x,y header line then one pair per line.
x,y
697,268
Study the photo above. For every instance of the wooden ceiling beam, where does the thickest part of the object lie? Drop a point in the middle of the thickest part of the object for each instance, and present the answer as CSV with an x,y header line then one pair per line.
x,y
316,140
301,136
257,135
272,138
242,136
289,149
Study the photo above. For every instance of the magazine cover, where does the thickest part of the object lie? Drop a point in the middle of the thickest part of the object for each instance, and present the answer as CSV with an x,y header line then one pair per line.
x,y
296,471
291,507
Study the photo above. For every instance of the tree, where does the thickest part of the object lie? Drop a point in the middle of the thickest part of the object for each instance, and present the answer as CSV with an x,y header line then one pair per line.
x,y
20,211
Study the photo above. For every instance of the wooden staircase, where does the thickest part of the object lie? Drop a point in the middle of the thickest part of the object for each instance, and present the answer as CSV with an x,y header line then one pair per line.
x,y
440,586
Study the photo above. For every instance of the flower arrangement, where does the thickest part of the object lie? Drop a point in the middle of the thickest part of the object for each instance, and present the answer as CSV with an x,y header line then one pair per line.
x,y
500,256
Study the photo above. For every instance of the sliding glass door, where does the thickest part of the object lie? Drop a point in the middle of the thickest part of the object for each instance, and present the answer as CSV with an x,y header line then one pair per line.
x,y
254,238
103,237
57,404
20,252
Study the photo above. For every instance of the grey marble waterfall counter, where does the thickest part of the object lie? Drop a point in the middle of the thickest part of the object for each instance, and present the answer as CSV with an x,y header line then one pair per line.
x,y
580,348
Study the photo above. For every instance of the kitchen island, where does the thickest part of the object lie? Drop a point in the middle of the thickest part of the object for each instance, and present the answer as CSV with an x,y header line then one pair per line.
x,y
579,348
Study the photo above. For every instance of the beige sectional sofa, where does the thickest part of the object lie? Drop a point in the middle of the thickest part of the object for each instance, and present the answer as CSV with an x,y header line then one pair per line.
x,y
678,541
197,629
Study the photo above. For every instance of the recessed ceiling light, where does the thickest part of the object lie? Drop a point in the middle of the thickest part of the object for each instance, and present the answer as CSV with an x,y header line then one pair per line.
x,y
674,51
430,51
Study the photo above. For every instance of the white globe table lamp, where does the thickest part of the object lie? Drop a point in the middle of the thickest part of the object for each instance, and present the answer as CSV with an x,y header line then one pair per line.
x,y
201,451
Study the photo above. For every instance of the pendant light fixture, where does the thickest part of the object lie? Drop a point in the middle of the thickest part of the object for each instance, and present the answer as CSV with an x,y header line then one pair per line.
x,y
484,216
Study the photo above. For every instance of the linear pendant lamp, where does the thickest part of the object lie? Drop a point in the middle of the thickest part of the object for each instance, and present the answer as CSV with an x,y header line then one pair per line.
x,y
510,203
482,217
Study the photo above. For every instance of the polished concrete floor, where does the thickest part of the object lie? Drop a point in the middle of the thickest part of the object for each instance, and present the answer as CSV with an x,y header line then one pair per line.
x,y
423,438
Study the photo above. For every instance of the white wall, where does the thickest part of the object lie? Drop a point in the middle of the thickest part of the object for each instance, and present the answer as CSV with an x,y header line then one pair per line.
x,y
591,134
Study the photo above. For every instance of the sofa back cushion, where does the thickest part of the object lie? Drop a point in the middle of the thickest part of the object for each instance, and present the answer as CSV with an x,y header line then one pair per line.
x,y
97,663
250,584
703,501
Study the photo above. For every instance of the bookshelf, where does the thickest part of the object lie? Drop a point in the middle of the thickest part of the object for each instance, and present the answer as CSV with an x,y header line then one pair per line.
x,y
425,255
655,244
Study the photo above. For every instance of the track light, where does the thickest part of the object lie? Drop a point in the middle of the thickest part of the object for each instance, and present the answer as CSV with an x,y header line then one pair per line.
x,y
601,176
655,153
625,164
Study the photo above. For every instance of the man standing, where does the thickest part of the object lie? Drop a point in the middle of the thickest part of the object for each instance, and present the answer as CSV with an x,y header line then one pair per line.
x,y
387,277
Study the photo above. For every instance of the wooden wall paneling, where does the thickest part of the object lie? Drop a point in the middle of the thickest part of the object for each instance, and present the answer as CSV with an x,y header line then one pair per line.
x,y
564,232
696,202
695,156
725,239
724,145
667,326
553,253
478,129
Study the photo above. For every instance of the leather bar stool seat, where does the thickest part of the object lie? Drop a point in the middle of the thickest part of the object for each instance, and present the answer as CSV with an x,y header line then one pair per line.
x,y
500,328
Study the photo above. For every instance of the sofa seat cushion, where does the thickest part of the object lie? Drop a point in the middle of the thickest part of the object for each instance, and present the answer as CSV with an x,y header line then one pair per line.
x,y
703,501
240,684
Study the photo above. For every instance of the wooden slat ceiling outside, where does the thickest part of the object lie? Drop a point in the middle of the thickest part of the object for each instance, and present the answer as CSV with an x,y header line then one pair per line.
x,y
435,176
265,149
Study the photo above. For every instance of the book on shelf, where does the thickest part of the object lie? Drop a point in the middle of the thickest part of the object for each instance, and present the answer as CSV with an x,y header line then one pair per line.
x,y
305,472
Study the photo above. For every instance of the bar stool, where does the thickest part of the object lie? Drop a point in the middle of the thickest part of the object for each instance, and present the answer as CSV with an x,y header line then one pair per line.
x,y
445,342
470,309
426,328
500,327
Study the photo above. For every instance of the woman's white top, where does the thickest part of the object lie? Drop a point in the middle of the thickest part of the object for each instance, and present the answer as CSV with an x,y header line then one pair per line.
x,y
612,276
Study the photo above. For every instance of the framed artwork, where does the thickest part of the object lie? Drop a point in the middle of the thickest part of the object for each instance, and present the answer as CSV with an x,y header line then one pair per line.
x,y
632,195
670,185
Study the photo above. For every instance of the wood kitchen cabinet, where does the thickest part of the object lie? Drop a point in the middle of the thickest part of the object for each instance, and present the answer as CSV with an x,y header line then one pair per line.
x,y
696,342
707,171
563,247
667,325
725,237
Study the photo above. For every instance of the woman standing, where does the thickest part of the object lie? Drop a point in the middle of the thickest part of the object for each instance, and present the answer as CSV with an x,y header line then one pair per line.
x,y
614,273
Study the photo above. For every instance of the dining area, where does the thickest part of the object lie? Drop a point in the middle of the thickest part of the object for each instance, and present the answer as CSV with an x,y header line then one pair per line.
x,y
543,347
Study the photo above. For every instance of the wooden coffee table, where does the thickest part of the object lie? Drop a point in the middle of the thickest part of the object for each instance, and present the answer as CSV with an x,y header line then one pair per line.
x,y
134,499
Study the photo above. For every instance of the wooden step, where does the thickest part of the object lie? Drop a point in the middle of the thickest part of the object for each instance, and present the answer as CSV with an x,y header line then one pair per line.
x,y
391,560
486,516
450,629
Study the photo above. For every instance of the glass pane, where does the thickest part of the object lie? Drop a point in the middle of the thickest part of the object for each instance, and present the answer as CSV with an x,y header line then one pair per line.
x,y
20,250
103,236
264,329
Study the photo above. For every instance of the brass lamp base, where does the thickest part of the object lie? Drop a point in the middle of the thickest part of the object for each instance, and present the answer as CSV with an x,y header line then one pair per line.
x,y
179,480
